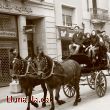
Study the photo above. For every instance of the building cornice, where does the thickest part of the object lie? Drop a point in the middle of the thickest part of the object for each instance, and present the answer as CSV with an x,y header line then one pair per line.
x,y
40,3
19,8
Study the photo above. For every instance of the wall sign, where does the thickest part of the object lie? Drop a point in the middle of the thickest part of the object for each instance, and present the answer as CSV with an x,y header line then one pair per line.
x,y
29,29
15,9
65,32
7,34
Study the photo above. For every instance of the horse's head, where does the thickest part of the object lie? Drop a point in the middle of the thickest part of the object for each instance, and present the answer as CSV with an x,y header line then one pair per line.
x,y
44,64
19,67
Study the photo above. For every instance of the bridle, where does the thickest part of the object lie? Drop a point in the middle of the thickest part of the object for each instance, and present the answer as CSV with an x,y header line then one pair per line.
x,y
44,59
46,67
19,65
51,71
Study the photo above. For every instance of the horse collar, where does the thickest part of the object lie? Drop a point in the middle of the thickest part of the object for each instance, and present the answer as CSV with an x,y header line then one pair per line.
x,y
51,73
46,65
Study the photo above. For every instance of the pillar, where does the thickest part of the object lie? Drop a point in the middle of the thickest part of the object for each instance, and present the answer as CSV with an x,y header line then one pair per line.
x,y
23,47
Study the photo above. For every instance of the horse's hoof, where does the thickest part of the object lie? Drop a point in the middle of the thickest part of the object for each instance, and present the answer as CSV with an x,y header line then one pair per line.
x,y
28,108
79,99
43,104
75,103
60,102
34,104
52,108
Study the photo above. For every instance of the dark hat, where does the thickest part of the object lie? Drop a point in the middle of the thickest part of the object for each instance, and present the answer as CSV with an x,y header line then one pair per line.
x,y
77,27
102,31
98,31
12,49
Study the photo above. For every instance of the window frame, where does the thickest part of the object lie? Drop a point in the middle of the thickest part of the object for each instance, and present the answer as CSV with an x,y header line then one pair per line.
x,y
67,19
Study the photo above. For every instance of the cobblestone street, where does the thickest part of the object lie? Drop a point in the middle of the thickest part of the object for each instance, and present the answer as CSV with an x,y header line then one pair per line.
x,y
90,101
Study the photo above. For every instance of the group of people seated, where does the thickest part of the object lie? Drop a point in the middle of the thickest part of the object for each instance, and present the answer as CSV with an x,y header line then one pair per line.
x,y
95,43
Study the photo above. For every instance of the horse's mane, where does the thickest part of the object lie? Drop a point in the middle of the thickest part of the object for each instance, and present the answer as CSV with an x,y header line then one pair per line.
x,y
51,60
57,66
57,63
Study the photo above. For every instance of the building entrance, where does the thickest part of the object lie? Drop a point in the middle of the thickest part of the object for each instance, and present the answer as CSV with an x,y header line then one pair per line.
x,y
65,48
30,38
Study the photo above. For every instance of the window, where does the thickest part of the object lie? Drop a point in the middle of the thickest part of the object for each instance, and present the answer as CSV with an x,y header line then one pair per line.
x,y
67,16
94,2
8,25
87,5
67,20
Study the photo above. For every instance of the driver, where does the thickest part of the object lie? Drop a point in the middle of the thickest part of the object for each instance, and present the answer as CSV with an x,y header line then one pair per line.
x,y
77,41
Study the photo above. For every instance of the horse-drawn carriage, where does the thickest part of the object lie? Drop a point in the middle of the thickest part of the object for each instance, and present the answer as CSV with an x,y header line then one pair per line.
x,y
53,73
96,79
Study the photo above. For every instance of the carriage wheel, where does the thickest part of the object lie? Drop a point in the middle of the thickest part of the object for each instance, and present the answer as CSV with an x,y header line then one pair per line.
x,y
100,84
68,90
108,65
109,70
91,80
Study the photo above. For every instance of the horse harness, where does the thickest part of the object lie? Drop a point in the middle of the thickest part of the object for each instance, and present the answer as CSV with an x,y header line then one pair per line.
x,y
44,59
20,64
52,69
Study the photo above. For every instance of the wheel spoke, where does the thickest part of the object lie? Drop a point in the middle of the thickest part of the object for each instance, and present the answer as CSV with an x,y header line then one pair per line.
x,y
72,92
91,81
100,84
69,90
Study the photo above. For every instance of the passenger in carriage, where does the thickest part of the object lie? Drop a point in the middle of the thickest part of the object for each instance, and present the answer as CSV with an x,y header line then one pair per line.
x,y
102,48
93,45
87,41
94,39
77,41
106,40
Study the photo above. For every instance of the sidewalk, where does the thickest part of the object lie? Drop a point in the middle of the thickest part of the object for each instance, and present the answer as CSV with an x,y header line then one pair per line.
x,y
5,91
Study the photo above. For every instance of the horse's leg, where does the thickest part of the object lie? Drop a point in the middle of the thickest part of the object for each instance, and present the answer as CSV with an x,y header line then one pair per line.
x,y
29,100
60,102
27,96
78,99
51,98
45,94
34,103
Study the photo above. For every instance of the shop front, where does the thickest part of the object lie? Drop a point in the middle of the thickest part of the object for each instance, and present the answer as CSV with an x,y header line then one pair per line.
x,y
8,41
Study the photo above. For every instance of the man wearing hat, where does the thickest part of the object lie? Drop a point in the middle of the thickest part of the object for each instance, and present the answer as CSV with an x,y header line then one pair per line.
x,y
77,41
102,47
106,40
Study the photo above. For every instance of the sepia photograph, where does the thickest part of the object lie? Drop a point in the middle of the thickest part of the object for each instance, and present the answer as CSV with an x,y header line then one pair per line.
x,y
54,54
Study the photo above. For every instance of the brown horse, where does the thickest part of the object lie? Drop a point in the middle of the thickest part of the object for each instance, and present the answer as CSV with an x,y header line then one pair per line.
x,y
26,81
56,74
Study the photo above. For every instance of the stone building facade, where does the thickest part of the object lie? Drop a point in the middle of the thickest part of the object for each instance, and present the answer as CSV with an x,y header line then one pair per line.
x,y
96,15
27,25
30,25
68,14
88,14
